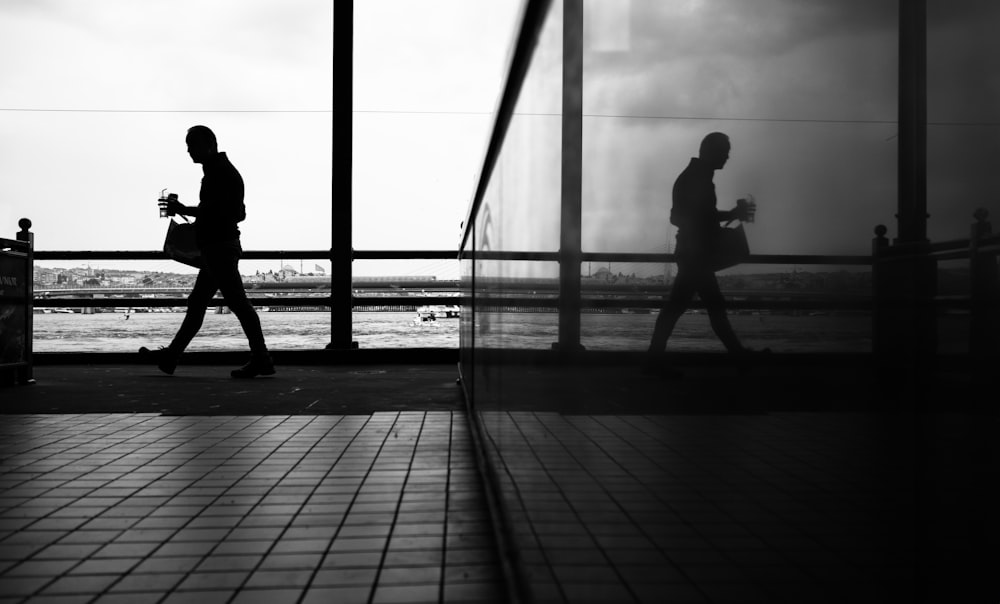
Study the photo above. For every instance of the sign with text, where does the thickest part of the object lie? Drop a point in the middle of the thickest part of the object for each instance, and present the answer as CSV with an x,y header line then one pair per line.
x,y
13,308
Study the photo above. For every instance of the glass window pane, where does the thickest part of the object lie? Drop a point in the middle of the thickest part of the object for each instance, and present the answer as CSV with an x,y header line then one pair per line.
x,y
963,114
805,90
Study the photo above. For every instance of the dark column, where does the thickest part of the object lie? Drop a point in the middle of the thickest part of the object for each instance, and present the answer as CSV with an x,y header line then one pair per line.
x,y
26,374
341,250
913,281
570,255
912,140
881,313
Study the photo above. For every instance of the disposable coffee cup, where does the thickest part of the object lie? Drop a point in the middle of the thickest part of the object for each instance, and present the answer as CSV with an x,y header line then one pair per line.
x,y
164,203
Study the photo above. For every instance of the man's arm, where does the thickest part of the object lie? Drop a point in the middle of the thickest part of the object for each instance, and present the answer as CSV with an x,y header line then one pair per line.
x,y
176,207
726,215
741,212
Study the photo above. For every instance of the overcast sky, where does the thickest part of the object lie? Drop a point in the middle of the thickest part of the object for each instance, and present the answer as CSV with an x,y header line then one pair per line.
x,y
805,88
96,98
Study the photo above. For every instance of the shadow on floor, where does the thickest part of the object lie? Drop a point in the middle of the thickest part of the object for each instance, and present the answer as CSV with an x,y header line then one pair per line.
x,y
208,390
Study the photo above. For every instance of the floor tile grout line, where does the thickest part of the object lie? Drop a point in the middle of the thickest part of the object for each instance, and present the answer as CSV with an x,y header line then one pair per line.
x,y
95,438
256,567
719,550
184,443
622,510
55,578
151,553
447,502
395,515
778,486
350,506
492,472
525,506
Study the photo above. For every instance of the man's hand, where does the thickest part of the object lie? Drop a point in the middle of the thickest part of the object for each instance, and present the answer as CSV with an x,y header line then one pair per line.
x,y
745,210
175,207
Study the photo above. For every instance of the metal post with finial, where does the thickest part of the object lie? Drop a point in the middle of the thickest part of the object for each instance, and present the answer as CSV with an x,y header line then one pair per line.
x,y
26,374
984,290
880,331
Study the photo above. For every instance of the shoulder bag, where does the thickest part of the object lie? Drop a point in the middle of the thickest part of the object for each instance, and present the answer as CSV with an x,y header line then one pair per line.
x,y
731,247
180,243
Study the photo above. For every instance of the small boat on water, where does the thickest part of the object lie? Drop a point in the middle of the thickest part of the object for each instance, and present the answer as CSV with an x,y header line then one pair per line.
x,y
433,313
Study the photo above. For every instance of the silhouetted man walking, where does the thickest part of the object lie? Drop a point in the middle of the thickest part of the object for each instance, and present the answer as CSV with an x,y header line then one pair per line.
x,y
219,210
697,219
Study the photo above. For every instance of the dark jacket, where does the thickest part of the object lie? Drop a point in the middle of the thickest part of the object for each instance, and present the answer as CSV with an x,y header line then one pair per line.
x,y
221,207
694,212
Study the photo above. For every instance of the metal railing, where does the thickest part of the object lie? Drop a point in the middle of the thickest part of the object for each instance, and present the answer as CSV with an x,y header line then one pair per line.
x,y
570,299
291,301
907,299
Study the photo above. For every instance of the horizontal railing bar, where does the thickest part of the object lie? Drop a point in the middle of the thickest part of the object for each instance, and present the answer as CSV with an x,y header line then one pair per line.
x,y
14,243
989,248
961,254
862,304
838,303
745,304
811,259
959,247
940,249
249,255
512,255
406,254
752,259
911,247
853,260
290,301
407,301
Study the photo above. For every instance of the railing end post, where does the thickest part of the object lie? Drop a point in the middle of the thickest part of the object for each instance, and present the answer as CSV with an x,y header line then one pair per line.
x,y
880,242
981,227
25,233
984,323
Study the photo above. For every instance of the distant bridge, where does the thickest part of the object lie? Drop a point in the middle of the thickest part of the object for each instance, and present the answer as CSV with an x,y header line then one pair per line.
x,y
517,289
268,288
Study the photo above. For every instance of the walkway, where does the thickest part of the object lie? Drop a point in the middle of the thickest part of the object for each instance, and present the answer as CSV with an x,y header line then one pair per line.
x,y
790,483
145,507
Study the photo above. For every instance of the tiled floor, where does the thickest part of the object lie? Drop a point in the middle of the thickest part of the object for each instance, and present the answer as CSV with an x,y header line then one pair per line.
x,y
620,489
137,508
761,507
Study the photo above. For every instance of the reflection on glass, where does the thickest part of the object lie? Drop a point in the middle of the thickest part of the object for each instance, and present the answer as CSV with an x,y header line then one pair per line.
x,y
963,113
618,486
811,118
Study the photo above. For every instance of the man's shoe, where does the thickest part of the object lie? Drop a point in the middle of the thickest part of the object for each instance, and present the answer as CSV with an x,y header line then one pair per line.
x,y
258,365
164,358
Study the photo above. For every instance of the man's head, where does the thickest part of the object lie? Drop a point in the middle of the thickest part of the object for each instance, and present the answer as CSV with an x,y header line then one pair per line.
x,y
715,150
201,144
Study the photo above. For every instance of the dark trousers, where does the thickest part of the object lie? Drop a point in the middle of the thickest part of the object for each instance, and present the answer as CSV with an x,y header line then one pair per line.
x,y
220,272
693,278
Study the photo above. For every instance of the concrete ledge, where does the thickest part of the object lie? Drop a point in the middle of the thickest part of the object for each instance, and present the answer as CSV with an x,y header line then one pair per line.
x,y
433,356
361,356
